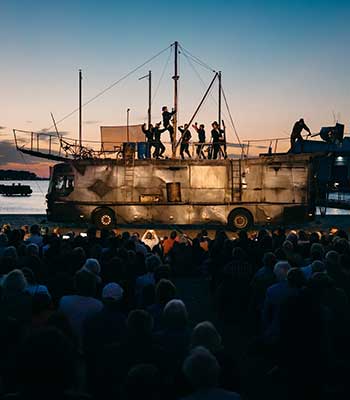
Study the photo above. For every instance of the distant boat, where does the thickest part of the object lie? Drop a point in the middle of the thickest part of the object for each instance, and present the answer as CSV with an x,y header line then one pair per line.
x,y
15,190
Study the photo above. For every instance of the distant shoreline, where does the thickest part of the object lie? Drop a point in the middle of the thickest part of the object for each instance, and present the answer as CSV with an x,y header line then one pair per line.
x,y
14,175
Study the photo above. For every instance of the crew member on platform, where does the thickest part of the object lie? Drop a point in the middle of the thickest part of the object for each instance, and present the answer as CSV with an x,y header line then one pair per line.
x,y
184,141
201,139
149,139
296,132
166,121
217,136
159,146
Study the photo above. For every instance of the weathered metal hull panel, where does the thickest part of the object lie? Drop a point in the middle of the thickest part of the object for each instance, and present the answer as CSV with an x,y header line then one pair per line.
x,y
138,193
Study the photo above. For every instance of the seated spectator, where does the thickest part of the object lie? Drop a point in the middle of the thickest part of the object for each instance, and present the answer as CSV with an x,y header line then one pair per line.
x,y
15,302
33,287
46,367
202,371
144,381
78,307
205,334
137,347
93,267
152,262
165,291
276,295
35,236
175,336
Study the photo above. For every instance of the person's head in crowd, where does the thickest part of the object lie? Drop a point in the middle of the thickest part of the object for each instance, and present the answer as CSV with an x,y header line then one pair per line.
x,y
342,234
331,261
201,369
3,240
165,291
91,233
125,236
342,246
14,282
314,237
6,229
144,381
11,252
175,315
173,235
15,237
296,278
205,334
318,266
269,260
29,275
152,262
32,250
112,293
92,266
316,252
320,282
288,246
344,262
243,235
302,236
280,254
85,284
35,230
293,238
139,324
46,364
78,258
281,270
162,272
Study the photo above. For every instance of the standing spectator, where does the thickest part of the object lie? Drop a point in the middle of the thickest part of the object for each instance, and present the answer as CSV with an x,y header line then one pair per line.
x,y
35,236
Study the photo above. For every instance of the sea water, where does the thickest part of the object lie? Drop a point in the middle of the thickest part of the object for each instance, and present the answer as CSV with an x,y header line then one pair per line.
x,y
33,204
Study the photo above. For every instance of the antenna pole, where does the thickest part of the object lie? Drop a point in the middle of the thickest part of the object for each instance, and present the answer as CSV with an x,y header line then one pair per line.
x,y
176,78
80,108
127,125
219,100
149,98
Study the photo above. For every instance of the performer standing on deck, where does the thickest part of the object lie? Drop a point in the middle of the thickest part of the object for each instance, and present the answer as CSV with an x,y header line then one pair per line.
x,y
201,139
296,132
166,121
159,146
150,139
217,137
185,140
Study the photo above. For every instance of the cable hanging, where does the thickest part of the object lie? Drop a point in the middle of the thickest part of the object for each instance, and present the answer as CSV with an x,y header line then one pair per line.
x,y
162,76
198,60
112,85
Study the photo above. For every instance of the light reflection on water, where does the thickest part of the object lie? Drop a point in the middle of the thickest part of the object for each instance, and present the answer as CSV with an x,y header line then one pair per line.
x,y
36,203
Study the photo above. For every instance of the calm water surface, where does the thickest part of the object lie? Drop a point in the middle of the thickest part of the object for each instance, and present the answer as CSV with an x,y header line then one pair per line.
x,y
34,204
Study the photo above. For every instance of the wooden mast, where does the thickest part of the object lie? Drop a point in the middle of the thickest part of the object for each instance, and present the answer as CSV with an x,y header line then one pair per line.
x,y
149,98
219,100
176,78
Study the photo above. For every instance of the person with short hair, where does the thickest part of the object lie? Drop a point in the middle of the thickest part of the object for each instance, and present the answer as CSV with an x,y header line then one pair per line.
x,y
201,139
167,115
35,236
185,141
296,132
202,371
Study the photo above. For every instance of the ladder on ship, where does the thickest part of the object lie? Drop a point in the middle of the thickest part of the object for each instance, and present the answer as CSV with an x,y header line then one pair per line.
x,y
129,167
236,181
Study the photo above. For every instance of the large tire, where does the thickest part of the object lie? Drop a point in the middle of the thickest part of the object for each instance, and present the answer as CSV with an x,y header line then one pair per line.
x,y
103,218
240,218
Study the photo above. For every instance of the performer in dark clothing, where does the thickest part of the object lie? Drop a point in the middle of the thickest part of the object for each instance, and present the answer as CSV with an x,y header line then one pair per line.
x,y
166,121
185,140
149,138
201,139
217,136
159,146
296,132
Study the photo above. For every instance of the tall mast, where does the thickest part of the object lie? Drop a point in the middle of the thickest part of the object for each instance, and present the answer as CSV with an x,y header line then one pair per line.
x,y
149,98
219,100
80,108
175,77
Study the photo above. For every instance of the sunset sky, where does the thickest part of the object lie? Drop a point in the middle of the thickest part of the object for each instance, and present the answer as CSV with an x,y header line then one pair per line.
x,y
280,60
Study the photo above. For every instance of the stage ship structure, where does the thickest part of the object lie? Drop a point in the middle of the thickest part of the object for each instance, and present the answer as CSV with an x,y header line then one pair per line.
x,y
115,181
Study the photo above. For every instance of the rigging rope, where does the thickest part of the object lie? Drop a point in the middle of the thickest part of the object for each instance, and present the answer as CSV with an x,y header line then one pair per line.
x,y
198,60
162,75
112,85
233,124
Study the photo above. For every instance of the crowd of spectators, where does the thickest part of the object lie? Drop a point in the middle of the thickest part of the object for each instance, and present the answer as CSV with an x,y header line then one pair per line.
x,y
100,315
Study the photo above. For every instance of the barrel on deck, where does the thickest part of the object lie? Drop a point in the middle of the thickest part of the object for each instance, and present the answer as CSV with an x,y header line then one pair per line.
x,y
173,190
142,150
129,149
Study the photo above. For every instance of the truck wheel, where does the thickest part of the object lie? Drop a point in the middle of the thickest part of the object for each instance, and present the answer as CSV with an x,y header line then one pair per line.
x,y
240,218
103,218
